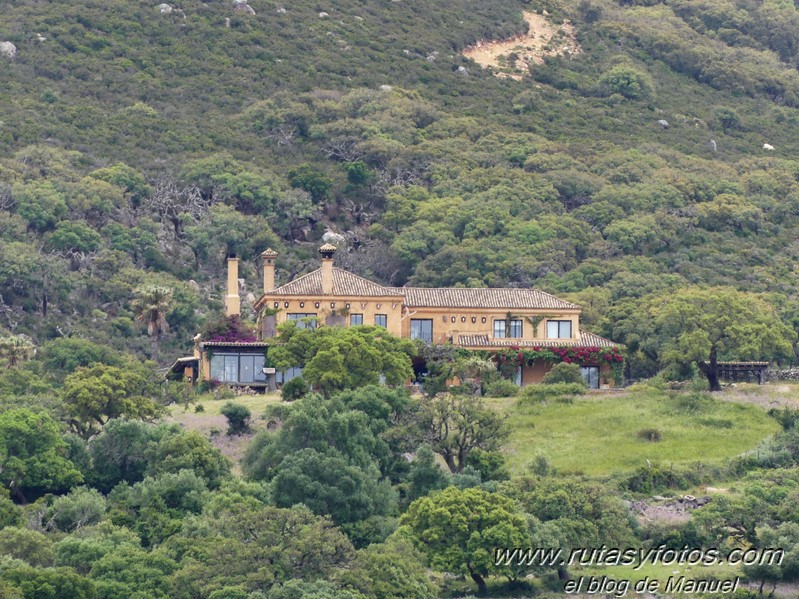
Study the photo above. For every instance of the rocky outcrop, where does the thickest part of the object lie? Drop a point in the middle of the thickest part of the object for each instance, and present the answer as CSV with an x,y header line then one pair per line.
x,y
333,237
241,6
8,50
663,509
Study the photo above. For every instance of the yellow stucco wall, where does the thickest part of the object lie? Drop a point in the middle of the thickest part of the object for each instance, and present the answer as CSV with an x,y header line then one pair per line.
x,y
534,374
205,367
448,323
368,306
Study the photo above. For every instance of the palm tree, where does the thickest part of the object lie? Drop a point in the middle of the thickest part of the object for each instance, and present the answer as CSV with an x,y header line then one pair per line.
x,y
151,305
16,349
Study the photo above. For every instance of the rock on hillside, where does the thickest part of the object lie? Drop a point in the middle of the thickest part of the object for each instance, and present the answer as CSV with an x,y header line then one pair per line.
x,y
8,50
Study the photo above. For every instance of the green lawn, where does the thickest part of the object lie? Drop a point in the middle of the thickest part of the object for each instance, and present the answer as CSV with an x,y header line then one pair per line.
x,y
661,572
598,434
595,435
212,424
658,572
212,406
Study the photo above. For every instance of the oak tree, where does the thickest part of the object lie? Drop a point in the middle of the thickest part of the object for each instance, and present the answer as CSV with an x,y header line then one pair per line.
x,y
708,325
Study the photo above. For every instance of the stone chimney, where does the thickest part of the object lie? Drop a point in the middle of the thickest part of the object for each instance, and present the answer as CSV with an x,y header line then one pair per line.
x,y
327,251
232,299
268,258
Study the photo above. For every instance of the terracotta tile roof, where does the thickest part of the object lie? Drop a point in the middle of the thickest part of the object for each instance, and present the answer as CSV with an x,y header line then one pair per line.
x,y
590,340
182,363
743,363
586,340
451,297
255,344
344,283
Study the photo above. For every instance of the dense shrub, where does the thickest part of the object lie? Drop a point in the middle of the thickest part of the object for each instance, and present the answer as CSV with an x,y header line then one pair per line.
x,y
540,465
81,507
563,372
10,513
648,479
294,389
786,416
502,388
631,83
490,464
238,417
553,392
27,545
695,402
649,434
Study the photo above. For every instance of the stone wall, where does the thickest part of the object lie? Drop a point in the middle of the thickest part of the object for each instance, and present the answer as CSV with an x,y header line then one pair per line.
x,y
784,374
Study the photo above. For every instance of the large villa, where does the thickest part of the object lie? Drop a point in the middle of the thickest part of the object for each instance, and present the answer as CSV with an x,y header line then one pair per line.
x,y
542,328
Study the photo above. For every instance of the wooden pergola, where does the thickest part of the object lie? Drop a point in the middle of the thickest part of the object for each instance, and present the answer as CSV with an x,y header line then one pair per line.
x,y
743,371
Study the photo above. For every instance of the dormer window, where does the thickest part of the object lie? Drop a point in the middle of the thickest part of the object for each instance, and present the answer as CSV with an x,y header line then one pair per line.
x,y
559,329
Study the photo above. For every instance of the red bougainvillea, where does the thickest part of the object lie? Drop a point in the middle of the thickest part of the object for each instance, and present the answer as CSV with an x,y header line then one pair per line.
x,y
585,356
229,330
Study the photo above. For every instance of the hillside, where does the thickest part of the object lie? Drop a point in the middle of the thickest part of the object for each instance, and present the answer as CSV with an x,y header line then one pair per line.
x,y
635,157
139,146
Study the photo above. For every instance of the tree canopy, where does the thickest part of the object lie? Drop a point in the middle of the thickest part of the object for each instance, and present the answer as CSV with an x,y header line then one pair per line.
x,y
336,358
707,325
460,529
33,455
95,394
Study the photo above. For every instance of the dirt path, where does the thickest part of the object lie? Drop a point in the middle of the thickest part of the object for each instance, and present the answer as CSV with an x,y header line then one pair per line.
x,y
513,57
771,395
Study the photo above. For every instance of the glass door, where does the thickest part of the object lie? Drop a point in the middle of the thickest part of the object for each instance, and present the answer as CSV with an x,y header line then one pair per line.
x,y
591,376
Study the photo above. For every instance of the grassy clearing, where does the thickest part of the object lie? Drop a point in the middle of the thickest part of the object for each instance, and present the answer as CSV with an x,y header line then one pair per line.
x,y
723,571
211,423
595,435
599,434
212,406
459,587
777,394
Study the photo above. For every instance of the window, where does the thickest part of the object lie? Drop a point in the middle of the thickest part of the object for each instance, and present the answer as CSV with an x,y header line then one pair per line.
x,y
238,368
231,369
559,329
287,375
217,367
422,328
590,376
356,319
247,369
303,324
381,320
501,329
